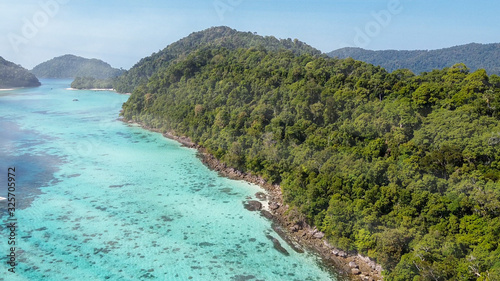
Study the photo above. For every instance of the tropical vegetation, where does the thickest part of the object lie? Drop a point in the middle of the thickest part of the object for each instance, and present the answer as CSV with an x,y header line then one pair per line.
x,y
81,83
71,66
14,76
475,56
400,167
220,36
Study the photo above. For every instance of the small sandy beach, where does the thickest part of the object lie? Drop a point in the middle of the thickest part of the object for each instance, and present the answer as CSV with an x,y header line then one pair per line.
x,y
96,89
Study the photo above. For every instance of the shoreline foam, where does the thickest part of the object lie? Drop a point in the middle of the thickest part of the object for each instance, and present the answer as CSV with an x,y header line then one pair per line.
x,y
93,89
296,230
99,90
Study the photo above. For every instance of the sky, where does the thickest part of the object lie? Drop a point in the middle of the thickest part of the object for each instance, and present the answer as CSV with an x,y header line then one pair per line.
x,y
121,32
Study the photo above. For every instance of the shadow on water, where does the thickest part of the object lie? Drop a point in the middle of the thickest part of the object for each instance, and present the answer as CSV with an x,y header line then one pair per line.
x,y
34,169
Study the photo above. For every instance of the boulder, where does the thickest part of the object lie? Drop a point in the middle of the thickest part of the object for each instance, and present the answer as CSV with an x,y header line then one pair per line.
x,y
266,214
355,271
253,205
261,196
273,205
295,228
353,265
319,235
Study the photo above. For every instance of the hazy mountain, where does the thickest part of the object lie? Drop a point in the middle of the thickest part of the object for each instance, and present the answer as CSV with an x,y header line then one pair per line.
x,y
71,66
13,76
475,56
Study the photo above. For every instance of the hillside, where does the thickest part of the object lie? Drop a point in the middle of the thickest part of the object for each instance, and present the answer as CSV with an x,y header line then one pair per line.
x,y
70,66
14,76
399,167
85,83
475,56
216,36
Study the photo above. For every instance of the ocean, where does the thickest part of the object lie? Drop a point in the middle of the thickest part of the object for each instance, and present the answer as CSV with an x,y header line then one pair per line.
x,y
100,199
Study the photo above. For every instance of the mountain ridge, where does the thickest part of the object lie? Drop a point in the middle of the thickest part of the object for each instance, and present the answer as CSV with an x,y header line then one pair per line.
x,y
474,55
72,66
222,36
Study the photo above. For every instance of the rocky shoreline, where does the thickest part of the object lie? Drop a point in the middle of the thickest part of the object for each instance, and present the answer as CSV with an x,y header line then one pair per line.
x,y
293,230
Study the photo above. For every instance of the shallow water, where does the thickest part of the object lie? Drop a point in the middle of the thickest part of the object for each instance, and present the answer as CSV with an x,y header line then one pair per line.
x,y
98,199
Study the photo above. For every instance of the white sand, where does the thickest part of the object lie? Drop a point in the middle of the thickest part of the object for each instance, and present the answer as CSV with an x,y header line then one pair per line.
x,y
73,89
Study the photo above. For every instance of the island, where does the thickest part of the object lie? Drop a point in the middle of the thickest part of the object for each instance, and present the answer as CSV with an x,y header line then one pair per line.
x,y
475,56
399,168
71,66
15,76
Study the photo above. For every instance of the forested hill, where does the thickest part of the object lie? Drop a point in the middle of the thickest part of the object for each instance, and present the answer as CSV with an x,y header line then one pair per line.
x,y
71,66
475,56
215,36
402,168
14,76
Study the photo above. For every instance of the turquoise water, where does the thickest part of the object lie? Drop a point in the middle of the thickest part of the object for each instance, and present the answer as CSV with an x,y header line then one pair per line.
x,y
98,199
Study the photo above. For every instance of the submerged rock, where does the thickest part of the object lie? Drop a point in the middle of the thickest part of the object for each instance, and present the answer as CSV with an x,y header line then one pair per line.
x,y
281,232
253,205
261,196
242,277
206,244
266,214
277,245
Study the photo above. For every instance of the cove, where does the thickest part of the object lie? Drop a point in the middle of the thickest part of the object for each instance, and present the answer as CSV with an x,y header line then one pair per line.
x,y
98,199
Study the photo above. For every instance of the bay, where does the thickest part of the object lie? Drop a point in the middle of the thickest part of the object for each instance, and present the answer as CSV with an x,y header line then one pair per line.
x,y
98,199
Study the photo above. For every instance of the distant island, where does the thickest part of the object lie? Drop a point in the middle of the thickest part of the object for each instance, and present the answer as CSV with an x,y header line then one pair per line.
x,y
15,76
71,66
86,83
475,56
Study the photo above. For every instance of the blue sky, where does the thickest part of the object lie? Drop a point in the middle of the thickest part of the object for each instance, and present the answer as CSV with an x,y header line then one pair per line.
x,y
121,32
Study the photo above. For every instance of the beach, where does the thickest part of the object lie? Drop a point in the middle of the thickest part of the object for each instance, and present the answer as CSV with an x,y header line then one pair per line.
x,y
94,89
